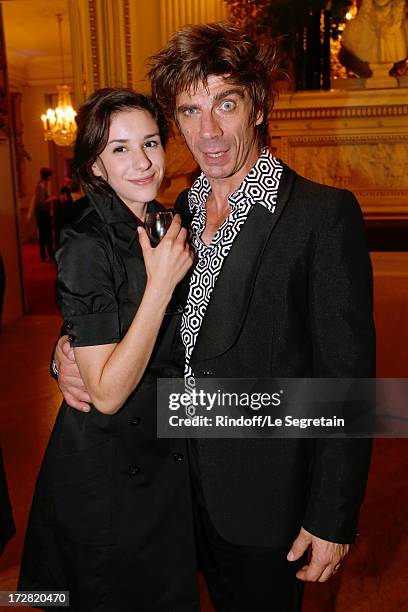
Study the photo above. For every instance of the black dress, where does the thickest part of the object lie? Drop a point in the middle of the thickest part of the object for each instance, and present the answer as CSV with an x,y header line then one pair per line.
x,y
111,520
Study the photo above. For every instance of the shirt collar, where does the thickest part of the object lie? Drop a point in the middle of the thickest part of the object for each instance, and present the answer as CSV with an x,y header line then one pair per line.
x,y
111,208
198,193
259,186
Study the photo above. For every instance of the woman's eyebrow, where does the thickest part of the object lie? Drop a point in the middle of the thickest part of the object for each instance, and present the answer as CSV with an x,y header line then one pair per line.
x,y
124,140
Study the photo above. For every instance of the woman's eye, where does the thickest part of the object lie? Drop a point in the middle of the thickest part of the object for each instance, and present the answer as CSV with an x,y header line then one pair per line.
x,y
228,105
151,143
119,149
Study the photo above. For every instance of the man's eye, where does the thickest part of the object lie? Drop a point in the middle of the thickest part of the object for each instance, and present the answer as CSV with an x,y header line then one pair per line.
x,y
151,143
189,111
228,105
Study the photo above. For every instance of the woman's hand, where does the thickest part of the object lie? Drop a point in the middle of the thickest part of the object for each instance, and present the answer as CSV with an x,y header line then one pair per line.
x,y
167,263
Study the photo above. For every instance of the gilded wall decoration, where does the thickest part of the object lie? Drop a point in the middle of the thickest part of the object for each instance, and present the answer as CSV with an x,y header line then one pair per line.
x,y
128,44
4,103
341,112
94,44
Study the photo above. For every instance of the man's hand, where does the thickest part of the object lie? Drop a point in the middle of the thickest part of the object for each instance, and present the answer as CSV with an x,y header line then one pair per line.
x,y
69,378
325,558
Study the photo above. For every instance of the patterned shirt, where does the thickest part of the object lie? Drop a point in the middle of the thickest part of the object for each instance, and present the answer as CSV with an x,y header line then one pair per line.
x,y
260,187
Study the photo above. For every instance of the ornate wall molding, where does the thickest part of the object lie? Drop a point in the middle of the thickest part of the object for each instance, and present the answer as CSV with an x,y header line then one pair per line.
x,y
326,140
373,166
372,193
355,140
128,43
340,112
93,31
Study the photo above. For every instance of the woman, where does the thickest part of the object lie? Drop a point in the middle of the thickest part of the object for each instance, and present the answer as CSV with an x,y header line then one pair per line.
x,y
111,518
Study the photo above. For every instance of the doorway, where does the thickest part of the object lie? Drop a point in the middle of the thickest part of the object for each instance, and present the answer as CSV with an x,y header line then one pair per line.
x,y
33,55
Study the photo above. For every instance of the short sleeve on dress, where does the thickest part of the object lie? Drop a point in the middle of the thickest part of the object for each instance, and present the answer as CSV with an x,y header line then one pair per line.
x,y
86,289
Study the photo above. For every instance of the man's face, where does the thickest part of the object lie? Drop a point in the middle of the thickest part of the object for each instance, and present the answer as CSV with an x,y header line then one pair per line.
x,y
216,124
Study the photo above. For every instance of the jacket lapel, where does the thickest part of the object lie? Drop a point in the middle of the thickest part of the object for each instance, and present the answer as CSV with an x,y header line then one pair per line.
x,y
231,295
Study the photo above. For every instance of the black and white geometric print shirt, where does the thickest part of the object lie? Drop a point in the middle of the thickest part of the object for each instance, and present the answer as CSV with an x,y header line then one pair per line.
x,y
260,187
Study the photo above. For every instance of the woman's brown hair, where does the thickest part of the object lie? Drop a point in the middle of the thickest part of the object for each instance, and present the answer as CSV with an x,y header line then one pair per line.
x,y
93,120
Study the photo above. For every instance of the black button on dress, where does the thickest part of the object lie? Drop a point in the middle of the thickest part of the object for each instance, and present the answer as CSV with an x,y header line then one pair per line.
x,y
111,520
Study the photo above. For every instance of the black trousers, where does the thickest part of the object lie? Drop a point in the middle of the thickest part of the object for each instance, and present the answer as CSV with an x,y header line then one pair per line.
x,y
242,578
45,241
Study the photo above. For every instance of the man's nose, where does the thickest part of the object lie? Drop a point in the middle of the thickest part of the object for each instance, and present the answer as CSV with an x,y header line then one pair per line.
x,y
209,126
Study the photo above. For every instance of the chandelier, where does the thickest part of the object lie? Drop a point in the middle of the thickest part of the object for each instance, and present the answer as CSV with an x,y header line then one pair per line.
x,y
59,123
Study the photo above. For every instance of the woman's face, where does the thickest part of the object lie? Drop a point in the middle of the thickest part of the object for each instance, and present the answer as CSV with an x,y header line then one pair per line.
x,y
133,160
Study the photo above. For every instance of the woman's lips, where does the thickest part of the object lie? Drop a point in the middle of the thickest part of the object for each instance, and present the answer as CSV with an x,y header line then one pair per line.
x,y
142,181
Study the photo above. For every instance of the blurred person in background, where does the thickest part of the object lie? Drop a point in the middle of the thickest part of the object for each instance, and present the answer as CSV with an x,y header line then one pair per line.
x,y
41,207
62,211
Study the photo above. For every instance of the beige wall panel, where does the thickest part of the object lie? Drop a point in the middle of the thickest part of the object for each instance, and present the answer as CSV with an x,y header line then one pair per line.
x,y
177,13
145,39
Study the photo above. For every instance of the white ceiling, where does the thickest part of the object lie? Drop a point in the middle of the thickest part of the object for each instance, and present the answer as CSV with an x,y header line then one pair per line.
x,y
31,28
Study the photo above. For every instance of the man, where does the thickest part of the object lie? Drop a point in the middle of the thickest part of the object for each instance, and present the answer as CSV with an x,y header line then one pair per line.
x,y
41,206
282,288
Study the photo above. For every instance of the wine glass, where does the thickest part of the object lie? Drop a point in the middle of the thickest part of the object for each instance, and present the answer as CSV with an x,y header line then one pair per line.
x,y
157,224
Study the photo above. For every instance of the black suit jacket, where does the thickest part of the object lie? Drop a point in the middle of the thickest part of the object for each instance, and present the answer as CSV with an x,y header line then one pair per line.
x,y
293,299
